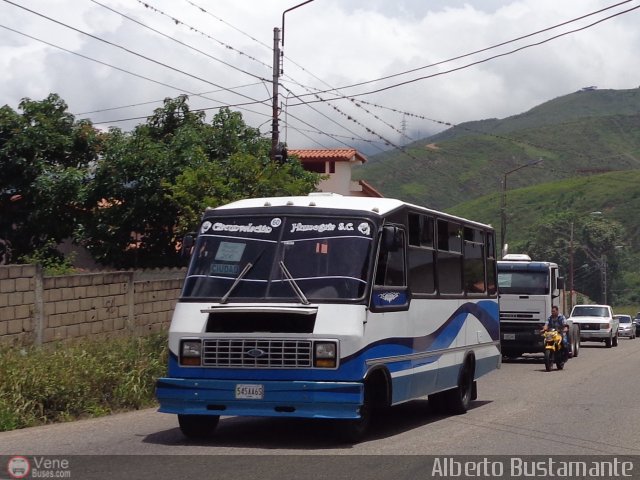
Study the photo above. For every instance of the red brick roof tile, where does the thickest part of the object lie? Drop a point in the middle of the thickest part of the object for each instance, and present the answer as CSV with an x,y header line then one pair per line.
x,y
336,154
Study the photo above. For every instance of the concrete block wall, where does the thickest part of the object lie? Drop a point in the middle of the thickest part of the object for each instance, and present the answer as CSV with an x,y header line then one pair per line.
x,y
18,304
35,309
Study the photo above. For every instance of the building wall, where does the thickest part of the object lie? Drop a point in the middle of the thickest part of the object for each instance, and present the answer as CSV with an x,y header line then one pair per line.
x,y
340,182
35,309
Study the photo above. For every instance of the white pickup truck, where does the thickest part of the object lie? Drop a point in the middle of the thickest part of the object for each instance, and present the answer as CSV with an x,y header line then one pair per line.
x,y
597,324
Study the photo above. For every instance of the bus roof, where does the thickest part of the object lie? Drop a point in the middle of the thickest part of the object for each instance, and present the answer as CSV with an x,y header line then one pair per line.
x,y
380,206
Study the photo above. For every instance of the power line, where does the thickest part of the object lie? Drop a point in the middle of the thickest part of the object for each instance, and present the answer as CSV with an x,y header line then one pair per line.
x,y
150,102
180,89
131,51
485,60
482,49
308,89
178,22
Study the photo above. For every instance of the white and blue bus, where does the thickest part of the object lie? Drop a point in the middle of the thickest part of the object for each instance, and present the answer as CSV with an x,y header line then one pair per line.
x,y
327,306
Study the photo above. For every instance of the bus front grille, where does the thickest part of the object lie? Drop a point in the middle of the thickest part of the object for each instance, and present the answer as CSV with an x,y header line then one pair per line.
x,y
255,353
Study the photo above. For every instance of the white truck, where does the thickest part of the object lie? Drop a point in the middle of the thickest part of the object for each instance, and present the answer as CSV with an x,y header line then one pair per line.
x,y
527,290
597,324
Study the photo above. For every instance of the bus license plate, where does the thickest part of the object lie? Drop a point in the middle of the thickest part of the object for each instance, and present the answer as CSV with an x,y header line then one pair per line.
x,y
509,336
249,391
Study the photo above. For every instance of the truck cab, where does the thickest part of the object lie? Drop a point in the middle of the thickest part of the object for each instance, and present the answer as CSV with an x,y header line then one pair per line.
x,y
527,290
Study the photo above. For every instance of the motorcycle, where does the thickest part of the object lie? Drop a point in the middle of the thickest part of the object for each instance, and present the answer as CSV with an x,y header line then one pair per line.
x,y
554,349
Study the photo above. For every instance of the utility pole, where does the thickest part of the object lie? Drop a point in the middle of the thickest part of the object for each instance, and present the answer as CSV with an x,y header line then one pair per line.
x,y
604,278
571,268
503,206
278,152
275,132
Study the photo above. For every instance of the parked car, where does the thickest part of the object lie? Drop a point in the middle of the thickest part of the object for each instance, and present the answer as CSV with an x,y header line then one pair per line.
x,y
597,324
626,326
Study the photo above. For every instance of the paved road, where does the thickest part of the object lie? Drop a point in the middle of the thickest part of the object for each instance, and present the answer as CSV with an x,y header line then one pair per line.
x,y
590,408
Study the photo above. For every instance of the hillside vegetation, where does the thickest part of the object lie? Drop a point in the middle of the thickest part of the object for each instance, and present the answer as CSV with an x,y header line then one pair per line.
x,y
562,161
581,134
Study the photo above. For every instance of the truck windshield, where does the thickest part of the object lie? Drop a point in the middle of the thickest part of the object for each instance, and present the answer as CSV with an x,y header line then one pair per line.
x,y
523,282
589,311
242,259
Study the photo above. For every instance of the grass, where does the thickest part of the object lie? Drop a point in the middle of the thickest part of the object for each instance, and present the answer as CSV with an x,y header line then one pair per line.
x,y
70,381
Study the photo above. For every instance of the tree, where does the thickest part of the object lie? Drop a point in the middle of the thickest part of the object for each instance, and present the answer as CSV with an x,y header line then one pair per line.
x,y
595,241
151,185
44,156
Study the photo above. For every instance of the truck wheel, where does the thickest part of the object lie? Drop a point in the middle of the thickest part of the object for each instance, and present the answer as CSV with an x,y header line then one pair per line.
x,y
615,341
576,341
607,342
198,426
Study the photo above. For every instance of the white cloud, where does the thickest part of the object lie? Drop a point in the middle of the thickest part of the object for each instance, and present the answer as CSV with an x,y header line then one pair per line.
x,y
336,42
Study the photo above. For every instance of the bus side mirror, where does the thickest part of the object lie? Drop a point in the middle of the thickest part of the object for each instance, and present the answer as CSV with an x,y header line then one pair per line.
x,y
560,283
391,238
188,241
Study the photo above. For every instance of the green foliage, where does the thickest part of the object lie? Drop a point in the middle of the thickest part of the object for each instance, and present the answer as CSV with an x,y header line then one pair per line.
x,y
151,186
44,156
52,261
43,385
539,222
576,135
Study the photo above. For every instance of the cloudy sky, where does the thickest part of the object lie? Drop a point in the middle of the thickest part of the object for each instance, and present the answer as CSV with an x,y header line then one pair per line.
x,y
365,73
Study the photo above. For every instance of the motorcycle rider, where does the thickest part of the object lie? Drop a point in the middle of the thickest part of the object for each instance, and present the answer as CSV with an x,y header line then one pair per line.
x,y
558,321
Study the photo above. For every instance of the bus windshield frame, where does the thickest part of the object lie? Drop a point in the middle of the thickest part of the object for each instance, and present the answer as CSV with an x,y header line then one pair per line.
x,y
282,258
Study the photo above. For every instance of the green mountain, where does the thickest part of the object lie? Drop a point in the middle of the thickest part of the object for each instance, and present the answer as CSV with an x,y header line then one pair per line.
x,y
543,217
552,166
577,135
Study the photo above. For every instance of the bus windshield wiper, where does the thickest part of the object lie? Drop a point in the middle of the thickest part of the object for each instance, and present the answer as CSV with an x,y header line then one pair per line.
x,y
240,276
293,284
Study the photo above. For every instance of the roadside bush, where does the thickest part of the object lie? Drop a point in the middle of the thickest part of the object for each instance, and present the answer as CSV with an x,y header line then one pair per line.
x,y
70,381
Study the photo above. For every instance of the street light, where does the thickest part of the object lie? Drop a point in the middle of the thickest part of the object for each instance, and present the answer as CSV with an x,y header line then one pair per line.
x,y
276,148
503,206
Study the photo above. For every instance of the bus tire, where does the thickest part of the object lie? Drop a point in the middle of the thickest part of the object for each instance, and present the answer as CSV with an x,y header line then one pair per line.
x,y
355,430
198,426
459,398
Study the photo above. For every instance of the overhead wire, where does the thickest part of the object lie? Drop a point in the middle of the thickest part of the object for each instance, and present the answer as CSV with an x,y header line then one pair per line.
x,y
469,54
128,50
478,62
179,21
128,72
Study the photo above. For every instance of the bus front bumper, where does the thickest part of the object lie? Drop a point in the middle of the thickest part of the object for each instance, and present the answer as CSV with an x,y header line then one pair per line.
x,y
270,398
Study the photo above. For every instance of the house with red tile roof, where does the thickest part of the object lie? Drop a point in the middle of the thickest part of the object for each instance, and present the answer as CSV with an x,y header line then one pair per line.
x,y
337,164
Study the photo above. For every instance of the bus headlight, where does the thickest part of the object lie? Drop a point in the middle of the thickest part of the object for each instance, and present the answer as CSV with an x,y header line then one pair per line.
x,y
190,352
325,355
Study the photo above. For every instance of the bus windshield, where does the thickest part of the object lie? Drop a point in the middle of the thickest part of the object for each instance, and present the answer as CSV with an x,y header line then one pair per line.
x,y
523,282
281,259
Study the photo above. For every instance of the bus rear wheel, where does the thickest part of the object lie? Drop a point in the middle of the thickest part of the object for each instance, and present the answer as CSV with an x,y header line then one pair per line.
x,y
459,398
198,426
